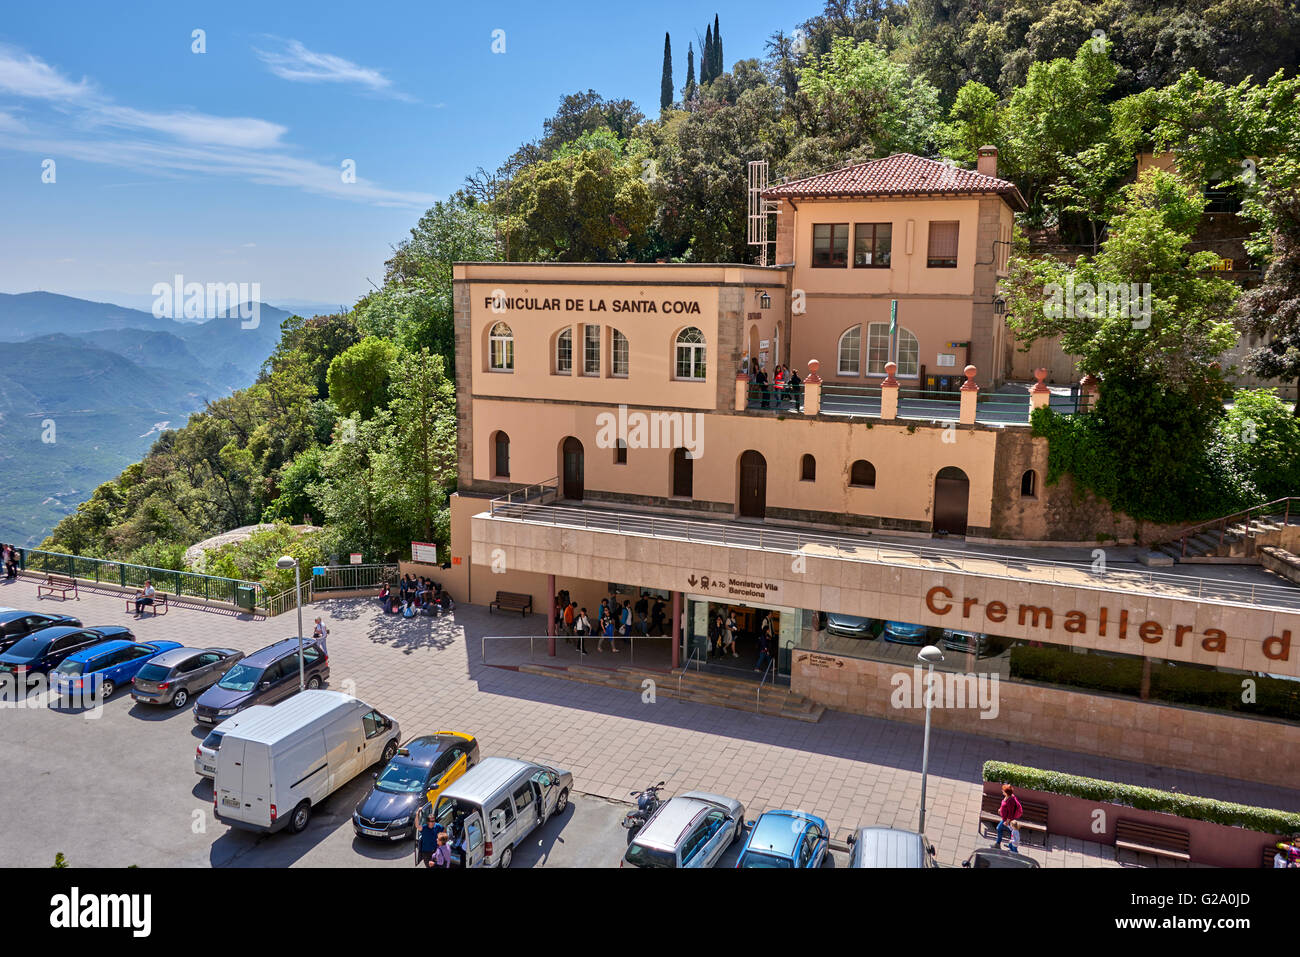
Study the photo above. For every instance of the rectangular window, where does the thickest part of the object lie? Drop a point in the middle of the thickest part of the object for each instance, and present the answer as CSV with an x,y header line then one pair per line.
x,y
943,246
830,245
591,350
620,452
871,245
618,354
877,347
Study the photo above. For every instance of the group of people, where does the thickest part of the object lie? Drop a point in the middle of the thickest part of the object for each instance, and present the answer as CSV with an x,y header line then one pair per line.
x,y
613,619
415,594
1288,855
9,558
783,386
722,638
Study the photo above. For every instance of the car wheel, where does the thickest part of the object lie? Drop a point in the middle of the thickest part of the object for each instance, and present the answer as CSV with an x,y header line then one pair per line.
x,y
301,815
107,688
562,801
740,830
181,698
506,856
313,682
389,752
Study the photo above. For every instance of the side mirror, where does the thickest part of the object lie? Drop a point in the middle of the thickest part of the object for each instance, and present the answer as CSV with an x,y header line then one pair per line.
x,y
965,863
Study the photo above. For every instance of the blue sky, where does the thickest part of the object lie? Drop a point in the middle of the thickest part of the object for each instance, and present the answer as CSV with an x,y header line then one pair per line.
x,y
225,166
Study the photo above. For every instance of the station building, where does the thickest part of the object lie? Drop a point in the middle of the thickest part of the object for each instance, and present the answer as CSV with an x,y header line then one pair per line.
x,y
613,441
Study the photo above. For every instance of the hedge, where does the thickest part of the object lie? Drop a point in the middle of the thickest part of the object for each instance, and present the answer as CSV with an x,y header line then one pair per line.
x,y
1189,806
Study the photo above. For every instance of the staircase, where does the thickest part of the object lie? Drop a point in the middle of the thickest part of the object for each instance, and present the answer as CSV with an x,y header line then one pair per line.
x,y
1232,539
699,687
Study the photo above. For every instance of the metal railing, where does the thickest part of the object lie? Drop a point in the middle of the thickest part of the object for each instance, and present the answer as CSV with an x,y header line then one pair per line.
x,y
587,639
758,695
699,666
769,397
1267,510
863,549
538,490
352,577
125,575
287,600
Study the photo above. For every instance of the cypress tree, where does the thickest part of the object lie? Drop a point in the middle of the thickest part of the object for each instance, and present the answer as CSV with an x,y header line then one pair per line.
x,y
706,61
666,80
718,69
688,93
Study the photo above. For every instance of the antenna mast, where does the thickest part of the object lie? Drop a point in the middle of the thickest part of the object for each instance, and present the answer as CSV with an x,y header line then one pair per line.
x,y
759,209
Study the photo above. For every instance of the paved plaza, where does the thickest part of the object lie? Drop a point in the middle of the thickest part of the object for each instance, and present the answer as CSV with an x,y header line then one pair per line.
x,y
121,789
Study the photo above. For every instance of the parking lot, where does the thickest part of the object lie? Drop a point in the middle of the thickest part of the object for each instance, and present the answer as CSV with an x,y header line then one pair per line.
x,y
120,789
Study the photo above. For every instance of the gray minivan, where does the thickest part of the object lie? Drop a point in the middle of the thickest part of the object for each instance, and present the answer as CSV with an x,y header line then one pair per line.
x,y
497,803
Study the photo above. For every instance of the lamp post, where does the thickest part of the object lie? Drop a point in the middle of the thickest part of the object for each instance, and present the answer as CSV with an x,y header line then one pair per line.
x,y
288,561
929,655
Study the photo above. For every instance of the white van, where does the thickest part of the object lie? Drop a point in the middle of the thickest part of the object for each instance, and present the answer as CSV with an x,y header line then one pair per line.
x,y
275,767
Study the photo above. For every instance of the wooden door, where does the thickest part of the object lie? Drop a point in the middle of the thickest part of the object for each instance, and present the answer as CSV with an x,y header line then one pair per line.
x,y
573,469
951,498
753,485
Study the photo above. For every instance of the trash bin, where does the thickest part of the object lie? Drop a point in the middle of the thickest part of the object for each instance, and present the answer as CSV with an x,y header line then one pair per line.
x,y
246,597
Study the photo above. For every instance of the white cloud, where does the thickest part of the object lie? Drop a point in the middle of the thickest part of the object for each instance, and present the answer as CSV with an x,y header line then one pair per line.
x,y
197,127
25,75
11,124
299,65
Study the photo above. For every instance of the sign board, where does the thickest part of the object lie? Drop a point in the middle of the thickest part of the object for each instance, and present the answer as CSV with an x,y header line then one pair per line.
x,y
946,359
355,558
734,588
318,570
424,552
764,343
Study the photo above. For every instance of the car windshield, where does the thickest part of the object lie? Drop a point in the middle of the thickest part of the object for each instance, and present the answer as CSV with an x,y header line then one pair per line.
x,y
153,673
756,859
213,741
30,647
640,856
402,777
70,668
241,678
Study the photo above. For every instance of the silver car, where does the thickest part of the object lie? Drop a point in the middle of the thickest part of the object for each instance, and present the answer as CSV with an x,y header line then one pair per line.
x,y
690,830
176,676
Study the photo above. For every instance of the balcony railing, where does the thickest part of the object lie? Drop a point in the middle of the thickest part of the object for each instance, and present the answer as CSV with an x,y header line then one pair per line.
x,y
124,575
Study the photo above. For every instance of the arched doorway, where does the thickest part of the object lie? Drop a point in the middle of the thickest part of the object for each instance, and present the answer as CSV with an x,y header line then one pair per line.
x,y
753,349
752,497
683,474
951,498
572,470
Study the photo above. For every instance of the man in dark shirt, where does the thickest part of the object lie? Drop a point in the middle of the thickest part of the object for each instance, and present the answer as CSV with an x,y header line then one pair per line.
x,y
428,839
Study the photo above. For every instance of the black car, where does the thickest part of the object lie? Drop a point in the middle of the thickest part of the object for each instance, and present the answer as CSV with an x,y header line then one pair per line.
x,y
16,625
422,766
42,651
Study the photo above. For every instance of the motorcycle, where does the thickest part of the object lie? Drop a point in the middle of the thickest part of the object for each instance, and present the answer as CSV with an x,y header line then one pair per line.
x,y
647,802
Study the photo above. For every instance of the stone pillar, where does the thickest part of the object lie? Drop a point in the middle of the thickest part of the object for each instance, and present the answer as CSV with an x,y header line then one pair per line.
x,y
812,389
889,392
742,391
970,393
550,615
1088,392
677,628
1040,396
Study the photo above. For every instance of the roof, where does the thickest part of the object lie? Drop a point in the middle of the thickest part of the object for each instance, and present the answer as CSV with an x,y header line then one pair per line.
x,y
673,817
293,713
425,749
902,174
485,778
264,656
780,831
889,847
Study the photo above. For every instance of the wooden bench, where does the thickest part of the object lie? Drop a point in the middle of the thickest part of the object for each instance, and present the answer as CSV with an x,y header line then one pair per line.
x,y
1033,821
159,605
1155,839
58,583
512,601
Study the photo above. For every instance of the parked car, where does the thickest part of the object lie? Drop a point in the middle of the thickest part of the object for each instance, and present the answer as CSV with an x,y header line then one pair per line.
x,y
690,830
272,770
785,839
890,847
955,640
205,754
850,626
492,808
103,668
16,625
420,772
902,633
44,650
996,857
176,676
264,677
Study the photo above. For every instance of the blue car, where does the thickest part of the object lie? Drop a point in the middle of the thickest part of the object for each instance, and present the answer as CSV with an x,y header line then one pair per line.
x,y
43,650
900,632
102,669
785,839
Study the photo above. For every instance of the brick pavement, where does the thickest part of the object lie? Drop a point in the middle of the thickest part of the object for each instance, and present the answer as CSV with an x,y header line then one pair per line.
x,y
852,770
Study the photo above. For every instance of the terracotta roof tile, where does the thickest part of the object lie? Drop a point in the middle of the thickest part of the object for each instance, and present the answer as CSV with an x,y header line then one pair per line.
x,y
899,175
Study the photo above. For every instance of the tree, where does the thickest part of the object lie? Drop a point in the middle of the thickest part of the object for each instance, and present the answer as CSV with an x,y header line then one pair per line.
x,y
359,377
706,62
973,121
422,443
719,65
666,91
688,91
1272,311
1264,437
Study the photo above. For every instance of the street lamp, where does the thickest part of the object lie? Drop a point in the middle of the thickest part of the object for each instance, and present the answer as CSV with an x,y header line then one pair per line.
x,y
288,561
929,655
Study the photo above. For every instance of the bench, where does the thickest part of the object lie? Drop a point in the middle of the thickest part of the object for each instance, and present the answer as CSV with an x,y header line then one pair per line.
x,y
1033,821
58,583
512,601
1154,839
159,605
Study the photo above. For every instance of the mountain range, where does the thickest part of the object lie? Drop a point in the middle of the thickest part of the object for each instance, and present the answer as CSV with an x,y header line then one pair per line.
x,y
86,388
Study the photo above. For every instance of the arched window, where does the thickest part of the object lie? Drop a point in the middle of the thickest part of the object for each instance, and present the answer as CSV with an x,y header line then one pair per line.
x,y
501,348
564,353
1029,484
501,455
863,474
618,354
808,469
690,354
909,354
683,474
851,352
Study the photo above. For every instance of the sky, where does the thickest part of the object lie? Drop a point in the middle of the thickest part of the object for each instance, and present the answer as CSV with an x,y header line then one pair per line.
x,y
127,157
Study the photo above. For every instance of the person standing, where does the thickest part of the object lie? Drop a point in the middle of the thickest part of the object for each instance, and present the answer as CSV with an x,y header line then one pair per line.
x,y
582,628
729,634
429,837
320,633
795,389
442,856
764,645
605,628
1009,810
570,619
